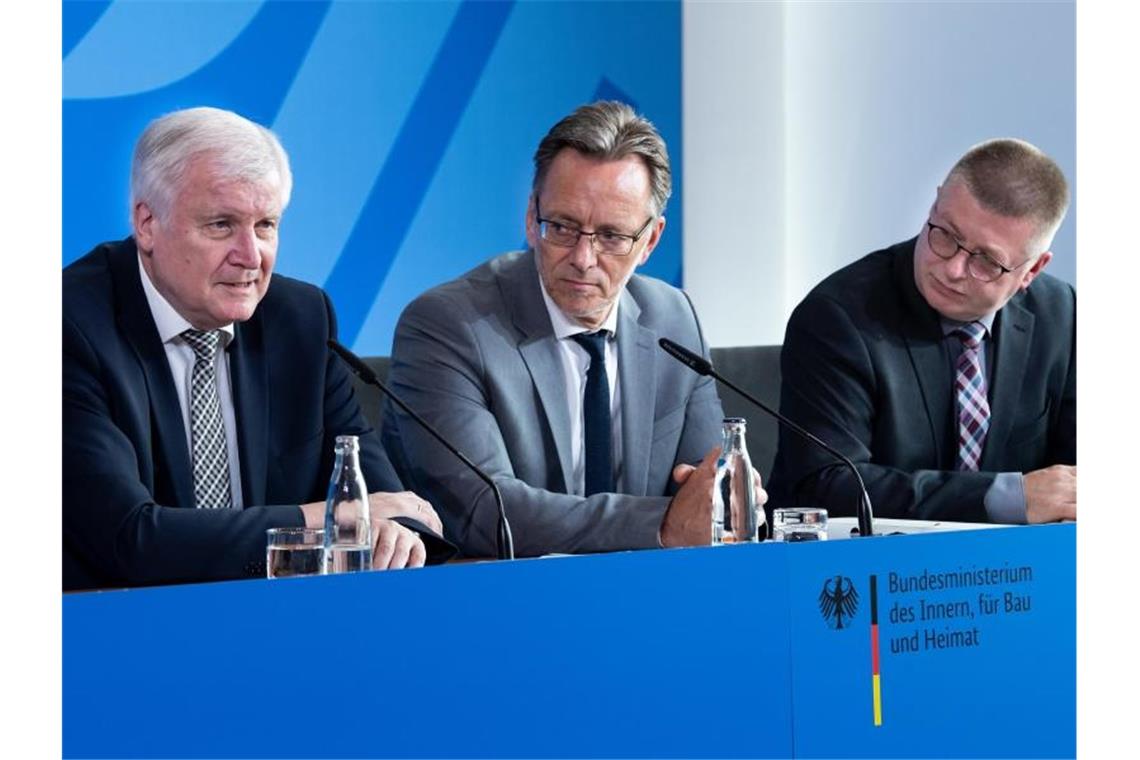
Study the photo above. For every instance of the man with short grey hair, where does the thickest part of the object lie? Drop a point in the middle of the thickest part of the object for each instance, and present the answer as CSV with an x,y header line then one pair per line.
x,y
944,366
200,405
543,365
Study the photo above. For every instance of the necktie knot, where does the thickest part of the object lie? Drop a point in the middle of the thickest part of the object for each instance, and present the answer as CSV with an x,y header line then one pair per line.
x,y
204,343
594,343
971,334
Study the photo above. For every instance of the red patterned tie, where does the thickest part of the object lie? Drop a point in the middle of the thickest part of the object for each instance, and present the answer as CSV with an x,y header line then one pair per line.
x,y
973,407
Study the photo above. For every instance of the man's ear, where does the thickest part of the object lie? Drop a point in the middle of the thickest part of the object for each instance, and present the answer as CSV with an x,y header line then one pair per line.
x,y
654,233
142,224
1038,267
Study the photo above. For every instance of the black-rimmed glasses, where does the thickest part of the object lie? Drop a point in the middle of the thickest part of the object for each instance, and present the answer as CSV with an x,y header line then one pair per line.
x,y
606,242
980,266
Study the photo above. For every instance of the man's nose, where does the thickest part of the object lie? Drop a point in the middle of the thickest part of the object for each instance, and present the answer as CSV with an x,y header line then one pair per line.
x,y
582,256
958,265
244,250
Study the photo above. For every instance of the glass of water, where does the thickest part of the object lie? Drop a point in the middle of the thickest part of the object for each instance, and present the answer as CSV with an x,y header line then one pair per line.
x,y
799,524
294,551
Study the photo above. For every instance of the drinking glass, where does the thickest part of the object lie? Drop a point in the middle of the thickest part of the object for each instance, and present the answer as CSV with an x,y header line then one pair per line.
x,y
799,524
294,551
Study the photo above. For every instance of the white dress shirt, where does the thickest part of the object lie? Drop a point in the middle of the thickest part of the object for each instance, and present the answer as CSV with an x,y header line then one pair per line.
x,y
181,357
575,364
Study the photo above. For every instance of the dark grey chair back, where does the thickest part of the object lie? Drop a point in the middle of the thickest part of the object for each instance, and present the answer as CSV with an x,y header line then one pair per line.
x,y
370,397
754,368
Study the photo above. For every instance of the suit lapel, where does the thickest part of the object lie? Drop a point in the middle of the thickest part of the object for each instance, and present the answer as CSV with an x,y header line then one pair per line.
x,y
249,374
638,379
922,332
137,324
1013,332
539,350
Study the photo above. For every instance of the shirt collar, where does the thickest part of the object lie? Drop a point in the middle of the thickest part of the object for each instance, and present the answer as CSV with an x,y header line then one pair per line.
x,y
564,327
169,322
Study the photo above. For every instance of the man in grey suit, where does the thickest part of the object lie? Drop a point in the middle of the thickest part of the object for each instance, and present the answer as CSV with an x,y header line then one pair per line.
x,y
590,455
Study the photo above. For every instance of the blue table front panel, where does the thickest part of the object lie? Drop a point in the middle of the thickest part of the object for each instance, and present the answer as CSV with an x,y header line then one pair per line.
x,y
642,654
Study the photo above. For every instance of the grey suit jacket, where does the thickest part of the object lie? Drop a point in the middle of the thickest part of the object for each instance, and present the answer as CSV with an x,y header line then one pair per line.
x,y
478,358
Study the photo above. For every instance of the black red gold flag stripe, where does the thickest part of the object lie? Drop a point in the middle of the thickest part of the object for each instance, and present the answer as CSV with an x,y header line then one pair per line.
x,y
876,690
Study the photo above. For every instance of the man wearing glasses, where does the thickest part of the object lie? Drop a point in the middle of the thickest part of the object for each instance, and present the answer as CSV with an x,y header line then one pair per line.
x,y
543,365
944,366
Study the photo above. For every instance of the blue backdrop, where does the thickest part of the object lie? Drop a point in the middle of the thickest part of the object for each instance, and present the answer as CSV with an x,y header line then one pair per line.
x,y
410,126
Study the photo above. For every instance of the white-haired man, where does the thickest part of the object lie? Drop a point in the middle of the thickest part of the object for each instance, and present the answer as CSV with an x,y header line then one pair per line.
x,y
200,405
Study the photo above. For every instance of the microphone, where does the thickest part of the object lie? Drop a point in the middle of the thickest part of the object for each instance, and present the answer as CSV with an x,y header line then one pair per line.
x,y
703,366
506,543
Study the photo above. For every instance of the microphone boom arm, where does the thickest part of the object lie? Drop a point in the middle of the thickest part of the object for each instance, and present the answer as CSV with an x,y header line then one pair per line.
x,y
703,366
505,541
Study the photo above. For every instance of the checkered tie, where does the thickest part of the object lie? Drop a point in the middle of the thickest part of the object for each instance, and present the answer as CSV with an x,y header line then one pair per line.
x,y
973,407
207,431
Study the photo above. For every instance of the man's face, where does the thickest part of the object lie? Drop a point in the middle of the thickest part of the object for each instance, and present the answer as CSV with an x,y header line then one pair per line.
x,y
213,254
592,195
946,284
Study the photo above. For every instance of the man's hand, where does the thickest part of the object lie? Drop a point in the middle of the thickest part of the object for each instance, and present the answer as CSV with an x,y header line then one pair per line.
x,y
394,546
758,491
761,497
1051,494
688,521
403,504
681,475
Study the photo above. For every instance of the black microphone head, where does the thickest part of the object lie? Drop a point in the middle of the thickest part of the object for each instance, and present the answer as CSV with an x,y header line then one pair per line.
x,y
695,362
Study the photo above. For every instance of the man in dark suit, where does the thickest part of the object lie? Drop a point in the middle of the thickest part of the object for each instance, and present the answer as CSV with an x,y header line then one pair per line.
x,y
543,365
200,405
944,366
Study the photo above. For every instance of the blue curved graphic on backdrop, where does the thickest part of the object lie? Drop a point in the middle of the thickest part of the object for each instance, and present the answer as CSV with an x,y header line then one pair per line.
x,y
242,78
342,116
387,214
78,19
137,47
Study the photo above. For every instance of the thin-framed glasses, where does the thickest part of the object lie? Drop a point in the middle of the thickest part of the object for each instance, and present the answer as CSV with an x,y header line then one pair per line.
x,y
606,242
979,265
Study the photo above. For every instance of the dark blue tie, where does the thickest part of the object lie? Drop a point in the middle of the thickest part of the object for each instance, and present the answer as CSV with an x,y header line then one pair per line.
x,y
596,415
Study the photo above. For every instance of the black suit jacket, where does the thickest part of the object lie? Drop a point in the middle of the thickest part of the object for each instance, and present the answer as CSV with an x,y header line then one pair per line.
x,y
866,368
128,492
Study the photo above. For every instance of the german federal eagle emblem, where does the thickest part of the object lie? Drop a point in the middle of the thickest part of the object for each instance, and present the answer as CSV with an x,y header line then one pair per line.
x,y
838,602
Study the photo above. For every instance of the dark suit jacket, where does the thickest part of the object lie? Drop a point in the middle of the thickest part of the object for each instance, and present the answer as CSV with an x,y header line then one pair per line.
x,y
866,368
128,493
